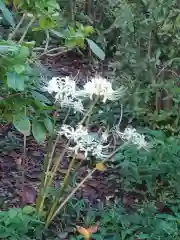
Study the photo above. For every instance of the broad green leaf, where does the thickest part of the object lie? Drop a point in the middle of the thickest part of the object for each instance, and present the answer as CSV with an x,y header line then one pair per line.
x,y
22,123
28,210
15,81
40,97
39,131
49,125
96,49
7,14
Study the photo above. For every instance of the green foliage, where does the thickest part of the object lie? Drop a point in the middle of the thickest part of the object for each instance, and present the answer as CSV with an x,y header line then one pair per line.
x,y
78,36
147,60
161,162
21,100
19,223
146,205
117,223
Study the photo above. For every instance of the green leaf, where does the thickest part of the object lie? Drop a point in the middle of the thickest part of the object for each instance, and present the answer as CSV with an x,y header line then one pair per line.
x,y
28,210
46,23
96,49
22,123
39,131
58,34
5,48
49,125
7,14
22,55
40,97
12,213
19,68
15,81
143,236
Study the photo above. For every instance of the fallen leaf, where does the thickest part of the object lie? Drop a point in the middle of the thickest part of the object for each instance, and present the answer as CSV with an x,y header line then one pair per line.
x,y
86,232
18,161
80,156
28,195
100,166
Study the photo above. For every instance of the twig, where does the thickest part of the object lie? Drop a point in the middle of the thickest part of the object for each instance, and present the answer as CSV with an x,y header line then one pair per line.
x,y
26,31
11,35
64,50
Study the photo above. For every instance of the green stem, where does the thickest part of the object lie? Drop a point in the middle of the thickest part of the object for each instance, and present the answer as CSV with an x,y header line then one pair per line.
x,y
47,163
47,40
62,189
47,181
88,113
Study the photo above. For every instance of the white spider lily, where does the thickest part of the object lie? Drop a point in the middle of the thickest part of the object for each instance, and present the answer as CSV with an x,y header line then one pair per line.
x,y
66,93
77,105
84,141
101,87
131,136
99,151
73,134
53,85
67,89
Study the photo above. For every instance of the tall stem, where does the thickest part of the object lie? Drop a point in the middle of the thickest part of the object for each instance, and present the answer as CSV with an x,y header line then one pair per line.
x,y
88,114
46,177
62,189
47,182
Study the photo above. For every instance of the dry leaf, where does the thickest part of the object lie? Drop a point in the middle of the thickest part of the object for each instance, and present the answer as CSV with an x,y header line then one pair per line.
x,y
100,166
80,156
18,161
86,232
28,195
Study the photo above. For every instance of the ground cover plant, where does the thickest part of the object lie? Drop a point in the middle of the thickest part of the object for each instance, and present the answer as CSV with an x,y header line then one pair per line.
x,y
89,134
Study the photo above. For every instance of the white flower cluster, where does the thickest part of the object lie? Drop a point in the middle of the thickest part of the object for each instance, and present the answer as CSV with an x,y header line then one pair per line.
x,y
85,142
130,135
69,95
101,87
65,91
